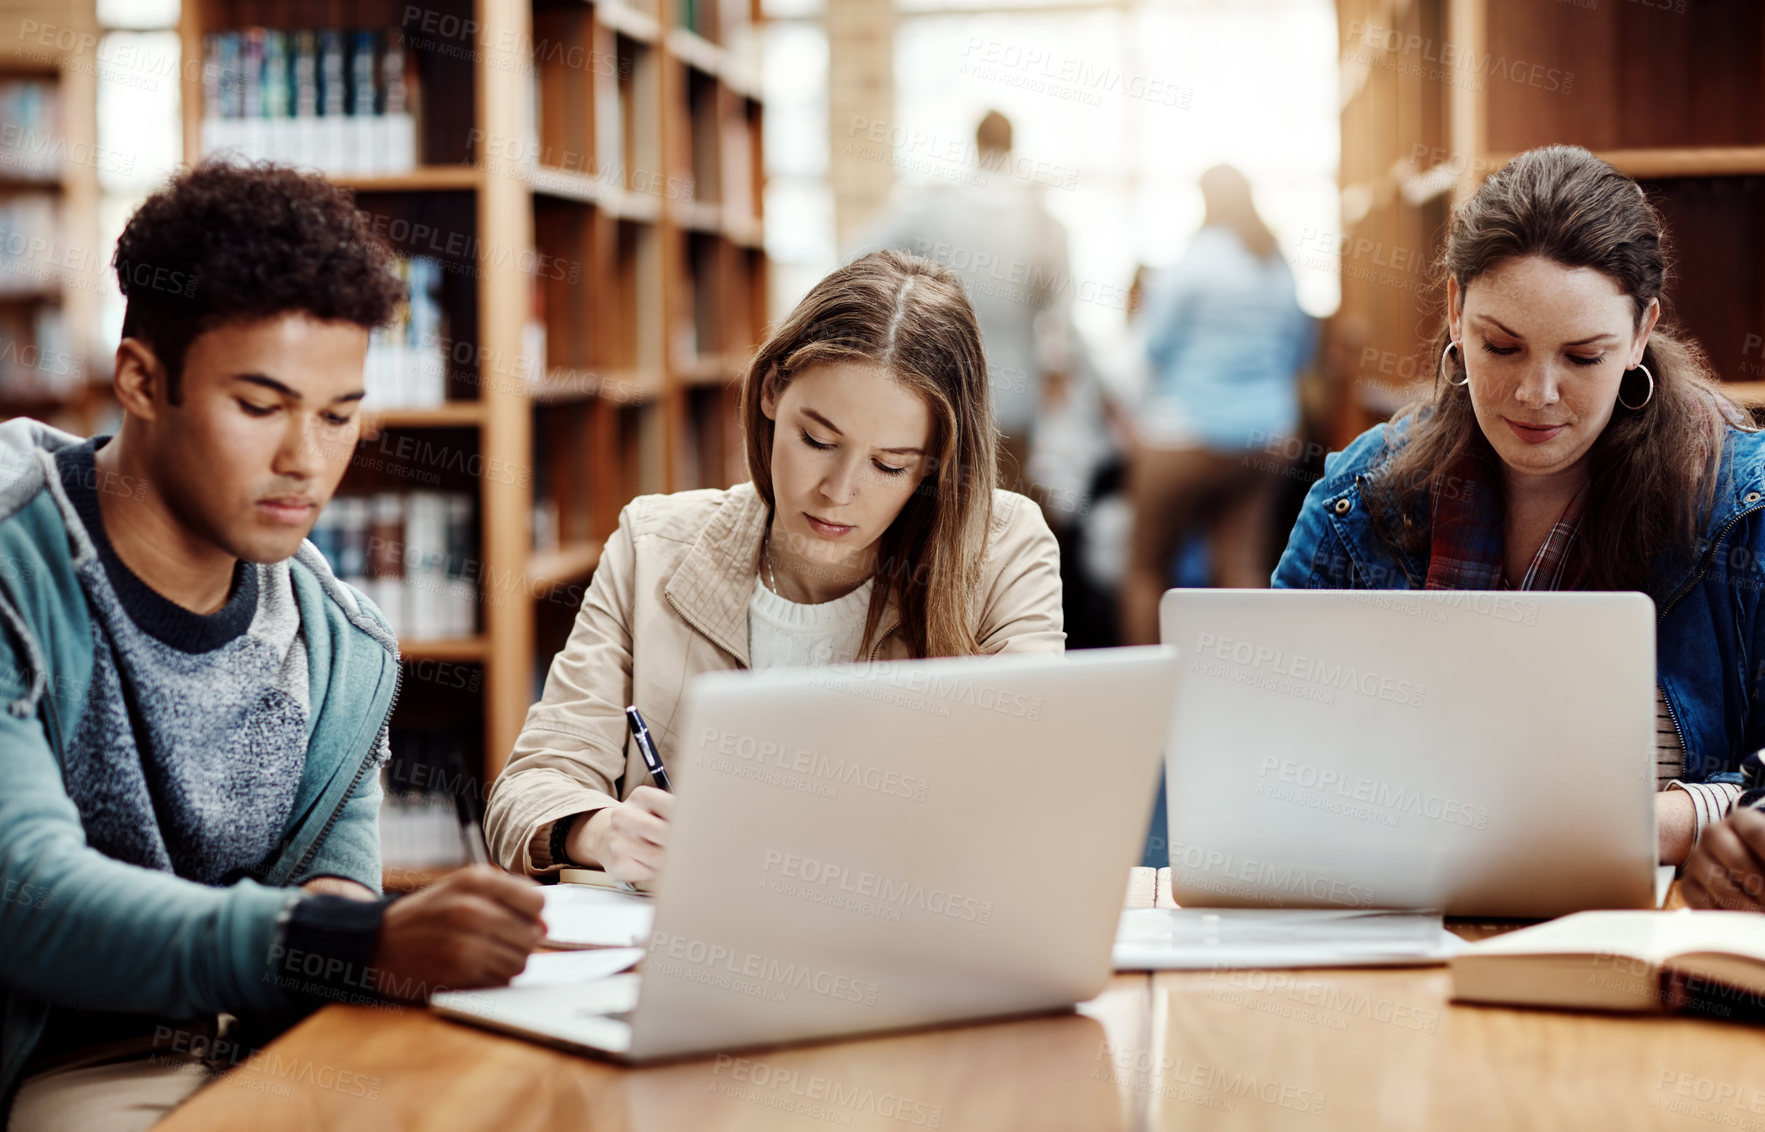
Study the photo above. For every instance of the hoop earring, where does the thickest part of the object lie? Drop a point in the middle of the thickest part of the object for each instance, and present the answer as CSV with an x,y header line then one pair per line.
x,y
1646,399
1450,347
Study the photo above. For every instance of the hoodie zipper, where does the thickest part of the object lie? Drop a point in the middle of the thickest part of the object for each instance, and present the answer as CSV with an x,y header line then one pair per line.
x,y
361,771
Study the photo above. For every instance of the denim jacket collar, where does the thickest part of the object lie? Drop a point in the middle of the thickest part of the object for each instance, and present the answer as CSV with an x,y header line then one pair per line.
x,y
1740,489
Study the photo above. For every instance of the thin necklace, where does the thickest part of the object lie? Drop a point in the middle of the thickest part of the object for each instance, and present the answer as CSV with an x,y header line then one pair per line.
x,y
766,560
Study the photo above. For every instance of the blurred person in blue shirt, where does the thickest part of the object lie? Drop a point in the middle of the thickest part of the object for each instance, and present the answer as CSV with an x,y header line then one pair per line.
x,y
1225,341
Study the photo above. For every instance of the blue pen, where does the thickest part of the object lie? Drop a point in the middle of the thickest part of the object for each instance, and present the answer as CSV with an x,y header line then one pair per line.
x,y
652,758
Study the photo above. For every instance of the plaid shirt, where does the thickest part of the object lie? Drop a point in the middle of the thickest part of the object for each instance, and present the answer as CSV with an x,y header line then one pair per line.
x,y
1465,542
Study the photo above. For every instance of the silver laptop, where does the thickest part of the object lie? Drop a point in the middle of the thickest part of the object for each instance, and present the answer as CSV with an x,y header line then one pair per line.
x,y
1485,753
870,848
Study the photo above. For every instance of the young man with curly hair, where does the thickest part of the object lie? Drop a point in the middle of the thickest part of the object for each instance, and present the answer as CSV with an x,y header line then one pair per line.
x,y
195,708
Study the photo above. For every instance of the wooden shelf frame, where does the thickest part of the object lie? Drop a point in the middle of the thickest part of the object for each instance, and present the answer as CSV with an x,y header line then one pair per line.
x,y
568,563
426,178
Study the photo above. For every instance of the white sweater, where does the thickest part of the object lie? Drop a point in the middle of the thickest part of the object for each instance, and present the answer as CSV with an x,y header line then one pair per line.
x,y
783,633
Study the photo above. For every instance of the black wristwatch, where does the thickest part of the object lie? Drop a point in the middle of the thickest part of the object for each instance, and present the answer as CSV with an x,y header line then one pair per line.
x,y
561,834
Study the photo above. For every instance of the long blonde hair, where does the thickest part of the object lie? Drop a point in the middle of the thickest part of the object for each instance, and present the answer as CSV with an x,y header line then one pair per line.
x,y
908,317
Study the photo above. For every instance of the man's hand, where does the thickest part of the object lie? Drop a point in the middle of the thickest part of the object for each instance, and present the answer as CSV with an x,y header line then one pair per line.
x,y
1727,867
473,928
628,839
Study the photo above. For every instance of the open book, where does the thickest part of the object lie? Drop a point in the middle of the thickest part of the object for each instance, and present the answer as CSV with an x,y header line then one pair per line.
x,y
1148,888
1705,962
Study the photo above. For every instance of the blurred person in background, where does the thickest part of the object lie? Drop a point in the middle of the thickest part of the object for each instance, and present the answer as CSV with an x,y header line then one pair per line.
x,y
1011,256
1225,341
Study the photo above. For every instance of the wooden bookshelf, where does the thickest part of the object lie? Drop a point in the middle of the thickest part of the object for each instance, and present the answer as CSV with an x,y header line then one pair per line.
x,y
455,650
563,564
451,415
63,378
604,180
1436,99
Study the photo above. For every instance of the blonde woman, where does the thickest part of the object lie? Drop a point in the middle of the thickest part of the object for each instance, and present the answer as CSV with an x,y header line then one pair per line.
x,y
870,530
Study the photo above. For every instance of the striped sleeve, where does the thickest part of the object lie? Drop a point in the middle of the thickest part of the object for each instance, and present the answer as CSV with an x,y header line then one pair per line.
x,y
1710,801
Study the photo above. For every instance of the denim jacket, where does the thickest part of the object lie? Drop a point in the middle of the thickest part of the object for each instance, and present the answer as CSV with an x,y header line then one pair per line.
x,y
1709,636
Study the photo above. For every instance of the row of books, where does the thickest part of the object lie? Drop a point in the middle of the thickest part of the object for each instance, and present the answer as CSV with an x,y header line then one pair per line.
x,y
407,361
431,789
334,99
412,553
421,831
31,108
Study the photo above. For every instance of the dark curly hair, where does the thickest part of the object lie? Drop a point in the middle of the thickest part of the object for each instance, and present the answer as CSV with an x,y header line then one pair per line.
x,y
226,242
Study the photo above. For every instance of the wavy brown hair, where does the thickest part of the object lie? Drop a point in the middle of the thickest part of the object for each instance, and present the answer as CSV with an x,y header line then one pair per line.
x,y
1653,469
908,317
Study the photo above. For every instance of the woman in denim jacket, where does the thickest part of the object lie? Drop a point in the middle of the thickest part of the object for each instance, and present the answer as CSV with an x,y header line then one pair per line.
x,y
1572,441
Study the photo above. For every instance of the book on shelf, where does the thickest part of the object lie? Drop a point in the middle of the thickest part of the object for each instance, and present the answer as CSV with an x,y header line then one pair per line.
x,y
407,361
533,339
609,131
31,145
691,14
411,554
337,100
1638,962
737,163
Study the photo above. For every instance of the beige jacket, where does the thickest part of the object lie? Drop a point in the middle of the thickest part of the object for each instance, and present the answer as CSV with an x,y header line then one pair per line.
x,y
677,575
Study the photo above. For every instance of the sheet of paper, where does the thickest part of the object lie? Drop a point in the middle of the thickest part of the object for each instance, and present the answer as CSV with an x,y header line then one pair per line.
x,y
564,968
579,915
1172,939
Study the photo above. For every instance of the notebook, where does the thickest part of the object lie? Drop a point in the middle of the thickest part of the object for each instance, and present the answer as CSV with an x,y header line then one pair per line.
x,y
581,916
1207,939
599,878
1650,962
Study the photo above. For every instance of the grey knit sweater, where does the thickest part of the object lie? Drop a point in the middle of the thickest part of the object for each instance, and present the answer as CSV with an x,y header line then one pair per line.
x,y
188,753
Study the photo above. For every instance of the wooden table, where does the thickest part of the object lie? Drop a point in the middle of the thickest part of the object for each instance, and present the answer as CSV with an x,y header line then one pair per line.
x,y
1319,1049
